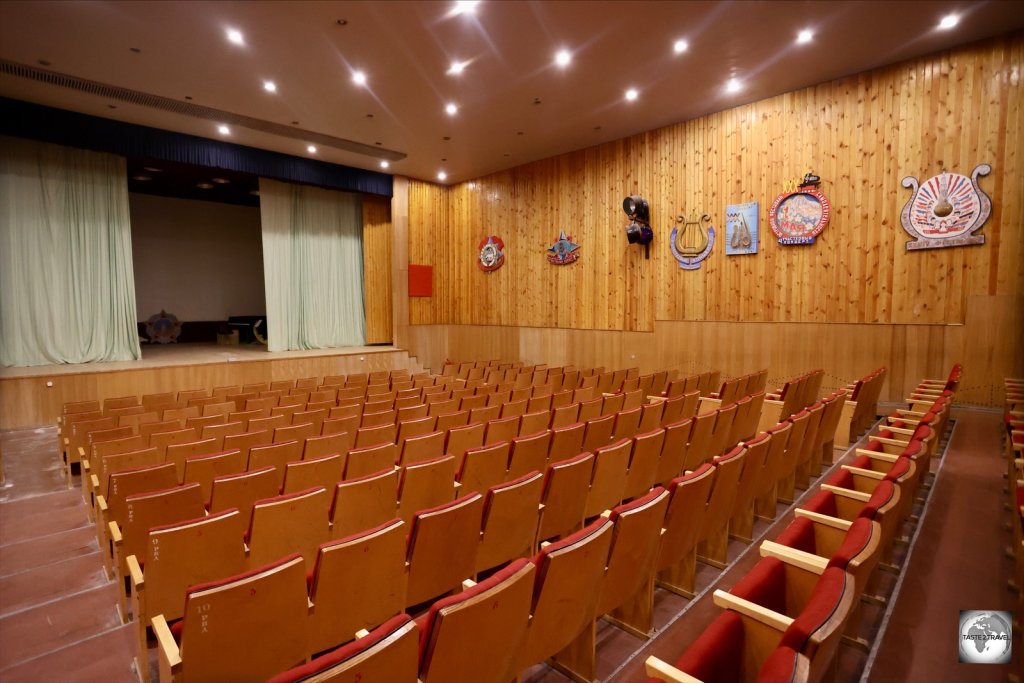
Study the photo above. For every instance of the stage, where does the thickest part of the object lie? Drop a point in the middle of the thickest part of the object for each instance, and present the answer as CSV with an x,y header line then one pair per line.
x,y
33,397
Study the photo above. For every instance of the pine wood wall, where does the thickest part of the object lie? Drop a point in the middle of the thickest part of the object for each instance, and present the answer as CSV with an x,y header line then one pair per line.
x,y
861,134
377,294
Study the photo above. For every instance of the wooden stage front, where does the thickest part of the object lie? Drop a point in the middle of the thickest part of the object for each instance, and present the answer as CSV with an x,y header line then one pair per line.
x,y
32,397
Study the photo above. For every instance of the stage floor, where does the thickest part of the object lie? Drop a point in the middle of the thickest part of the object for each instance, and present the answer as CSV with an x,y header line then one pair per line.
x,y
168,355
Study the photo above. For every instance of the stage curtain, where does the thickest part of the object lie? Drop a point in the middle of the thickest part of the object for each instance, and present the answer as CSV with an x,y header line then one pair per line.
x,y
67,291
312,267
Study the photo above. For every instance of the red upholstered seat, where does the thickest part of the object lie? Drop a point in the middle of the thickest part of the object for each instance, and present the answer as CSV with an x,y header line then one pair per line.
x,y
800,536
822,606
346,653
764,584
824,502
716,656
783,666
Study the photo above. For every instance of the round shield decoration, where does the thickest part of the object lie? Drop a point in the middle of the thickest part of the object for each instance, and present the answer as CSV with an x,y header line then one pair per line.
x,y
491,254
799,217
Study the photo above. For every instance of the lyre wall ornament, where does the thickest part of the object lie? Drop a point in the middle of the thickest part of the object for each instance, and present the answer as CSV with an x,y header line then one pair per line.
x,y
946,210
691,243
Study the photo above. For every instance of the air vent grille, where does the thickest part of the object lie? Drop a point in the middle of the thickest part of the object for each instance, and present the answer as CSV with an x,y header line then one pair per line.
x,y
144,99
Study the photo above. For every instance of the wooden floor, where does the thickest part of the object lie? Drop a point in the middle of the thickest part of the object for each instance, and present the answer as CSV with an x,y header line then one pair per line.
x,y
59,622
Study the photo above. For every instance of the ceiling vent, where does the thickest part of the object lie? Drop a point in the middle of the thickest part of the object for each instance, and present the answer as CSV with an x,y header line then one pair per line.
x,y
198,111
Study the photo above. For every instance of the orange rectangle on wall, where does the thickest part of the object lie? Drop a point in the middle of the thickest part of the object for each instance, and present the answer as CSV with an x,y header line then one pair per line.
x,y
421,280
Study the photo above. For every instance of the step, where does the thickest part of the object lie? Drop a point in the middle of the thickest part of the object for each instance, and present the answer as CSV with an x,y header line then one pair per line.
x,y
105,658
52,582
47,519
45,550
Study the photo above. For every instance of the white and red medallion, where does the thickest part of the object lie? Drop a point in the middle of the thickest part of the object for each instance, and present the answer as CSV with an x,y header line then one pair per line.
x,y
946,210
491,254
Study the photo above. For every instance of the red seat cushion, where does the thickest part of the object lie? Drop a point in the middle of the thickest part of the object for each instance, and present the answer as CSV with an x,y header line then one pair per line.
x,y
824,503
780,667
716,656
637,503
881,497
826,597
857,539
899,469
799,535
343,653
764,584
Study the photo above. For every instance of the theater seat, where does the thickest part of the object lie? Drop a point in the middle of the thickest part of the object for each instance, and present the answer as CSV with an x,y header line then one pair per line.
x,y
684,523
509,520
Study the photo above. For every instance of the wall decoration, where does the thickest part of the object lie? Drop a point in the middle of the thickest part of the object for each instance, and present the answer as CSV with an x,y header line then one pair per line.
x,y
946,210
639,230
741,228
692,244
163,328
491,256
564,251
799,217
421,280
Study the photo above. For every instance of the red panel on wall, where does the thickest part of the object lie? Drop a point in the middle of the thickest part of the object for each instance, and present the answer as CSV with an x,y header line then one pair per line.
x,y
421,280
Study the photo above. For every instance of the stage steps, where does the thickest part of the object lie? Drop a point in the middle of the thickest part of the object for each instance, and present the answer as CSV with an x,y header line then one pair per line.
x,y
58,608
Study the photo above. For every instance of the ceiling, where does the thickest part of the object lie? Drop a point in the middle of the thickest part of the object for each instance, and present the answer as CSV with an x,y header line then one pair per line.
x,y
514,103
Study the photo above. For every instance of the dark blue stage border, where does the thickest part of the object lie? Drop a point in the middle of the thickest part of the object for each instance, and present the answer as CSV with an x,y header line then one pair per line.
x,y
46,124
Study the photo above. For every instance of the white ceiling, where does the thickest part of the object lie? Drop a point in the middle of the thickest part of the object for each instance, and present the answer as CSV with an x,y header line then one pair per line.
x,y
406,48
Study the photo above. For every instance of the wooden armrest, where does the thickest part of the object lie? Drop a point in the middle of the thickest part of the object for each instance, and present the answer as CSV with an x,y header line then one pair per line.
x,y
362,633
797,558
81,452
847,493
135,572
834,522
666,672
887,441
899,418
878,455
467,584
656,399
101,504
772,619
900,430
84,464
871,474
95,482
167,649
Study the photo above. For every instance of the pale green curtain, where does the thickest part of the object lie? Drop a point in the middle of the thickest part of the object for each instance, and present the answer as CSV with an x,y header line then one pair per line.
x,y
67,292
312,267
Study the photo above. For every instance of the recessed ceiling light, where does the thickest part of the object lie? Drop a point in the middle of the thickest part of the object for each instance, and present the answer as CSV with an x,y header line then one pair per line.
x,y
471,185
805,36
562,58
311,149
152,169
141,177
456,68
221,181
223,130
465,7
452,109
359,78
441,175
680,46
733,85
632,94
949,21
384,164
204,186
235,36
270,86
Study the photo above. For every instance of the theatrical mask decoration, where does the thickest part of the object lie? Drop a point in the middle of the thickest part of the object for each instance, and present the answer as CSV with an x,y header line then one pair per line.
x,y
491,254
946,210
163,328
639,229
741,228
798,217
564,251
690,242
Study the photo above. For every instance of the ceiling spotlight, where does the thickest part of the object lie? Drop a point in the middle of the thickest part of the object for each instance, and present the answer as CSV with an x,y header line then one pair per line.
x,y
680,46
270,86
733,85
152,169
805,36
562,58
456,68
441,175
465,7
359,78
204,186
451,109
223,130
949,21
311,149
384,164
221,181
141,177
632,94
235,36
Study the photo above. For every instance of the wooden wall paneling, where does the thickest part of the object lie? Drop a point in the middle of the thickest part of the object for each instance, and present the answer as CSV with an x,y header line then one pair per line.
x,y
377,262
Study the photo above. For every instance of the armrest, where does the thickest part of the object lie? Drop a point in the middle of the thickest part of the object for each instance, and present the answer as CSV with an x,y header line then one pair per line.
x,y
847,493
870,474
656,668
708,403
763,615
798,558
84,464
656,399
135,572
900,430
878,455
911,413
95,481
834,522
81,453
167,649
887,441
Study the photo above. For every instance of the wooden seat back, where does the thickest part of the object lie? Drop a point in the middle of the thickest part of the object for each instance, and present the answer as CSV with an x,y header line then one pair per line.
x,y
509,520
376,436
741,524
462,439
529,454
715,534
673,450
684,524
363,461
426,484
222,431
590,408
203,469
364,502
698,449
242,490
502,429
722,430
331,444
608,479
566,442
276,455
295,432
415,427
442,547
322,472
293,523
179,452
358,582
119,462
143,511
564,416
643,463
566,487
421,448
484,467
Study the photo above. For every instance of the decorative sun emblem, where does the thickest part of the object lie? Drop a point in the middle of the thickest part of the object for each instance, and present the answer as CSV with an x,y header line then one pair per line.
x,y
564,251
491,256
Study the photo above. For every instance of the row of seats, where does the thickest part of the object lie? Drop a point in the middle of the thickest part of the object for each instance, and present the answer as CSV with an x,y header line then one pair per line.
x,y
793,396
861,407
1014,450
784,619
